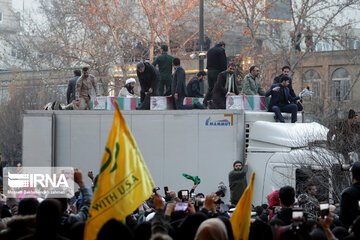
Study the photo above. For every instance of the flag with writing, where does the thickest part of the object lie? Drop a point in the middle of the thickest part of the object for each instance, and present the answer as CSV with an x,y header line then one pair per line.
x,y
124,181
241,217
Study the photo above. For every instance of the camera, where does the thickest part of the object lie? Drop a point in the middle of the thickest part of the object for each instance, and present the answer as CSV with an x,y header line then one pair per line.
x,y
345,167
183,195
181,207
156,189
297,216
220,193
324,210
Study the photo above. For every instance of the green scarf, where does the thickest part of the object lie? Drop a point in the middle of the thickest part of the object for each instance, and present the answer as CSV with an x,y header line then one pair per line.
x,y
227,82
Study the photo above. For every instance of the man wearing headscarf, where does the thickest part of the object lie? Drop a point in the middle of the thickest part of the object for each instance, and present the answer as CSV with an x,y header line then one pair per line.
x,y
128,89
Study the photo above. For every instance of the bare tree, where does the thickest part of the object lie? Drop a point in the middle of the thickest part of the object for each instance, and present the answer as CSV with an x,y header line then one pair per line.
x,y
322,16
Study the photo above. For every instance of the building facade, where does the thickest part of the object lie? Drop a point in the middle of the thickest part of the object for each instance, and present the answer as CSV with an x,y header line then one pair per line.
x,y
333,77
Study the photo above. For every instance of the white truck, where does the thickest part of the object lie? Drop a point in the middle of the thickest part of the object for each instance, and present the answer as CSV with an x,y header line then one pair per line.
x,y
203,143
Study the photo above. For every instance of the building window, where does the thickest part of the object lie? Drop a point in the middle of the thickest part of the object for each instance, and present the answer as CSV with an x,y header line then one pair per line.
x,y
322,46
312,81
354,44
13,53
340,85
4,94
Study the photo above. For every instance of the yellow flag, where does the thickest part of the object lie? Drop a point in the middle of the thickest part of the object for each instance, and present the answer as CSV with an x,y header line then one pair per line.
x,y
240,219
124,181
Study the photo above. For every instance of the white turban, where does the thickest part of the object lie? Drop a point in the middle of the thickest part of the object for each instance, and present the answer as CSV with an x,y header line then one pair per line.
x,y
130,80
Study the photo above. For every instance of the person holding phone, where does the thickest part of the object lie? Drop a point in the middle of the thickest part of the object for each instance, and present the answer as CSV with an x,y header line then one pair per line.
x,y
287,200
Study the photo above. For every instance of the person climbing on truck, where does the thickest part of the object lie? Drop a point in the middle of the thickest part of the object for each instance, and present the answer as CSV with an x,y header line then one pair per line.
x,y
237,181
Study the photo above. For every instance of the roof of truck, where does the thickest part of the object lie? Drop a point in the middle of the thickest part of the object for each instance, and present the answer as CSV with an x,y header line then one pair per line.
x,y
287,134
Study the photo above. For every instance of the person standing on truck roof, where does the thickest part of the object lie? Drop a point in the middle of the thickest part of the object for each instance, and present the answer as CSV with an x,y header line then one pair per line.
x,y
282,101
237,181
216,63
224,86
251,83
164,61
178,88
70,93
344,132
149,79
83,89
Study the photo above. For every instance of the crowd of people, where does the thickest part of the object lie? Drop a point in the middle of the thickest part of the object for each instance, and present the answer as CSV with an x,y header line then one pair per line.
x,y
188,214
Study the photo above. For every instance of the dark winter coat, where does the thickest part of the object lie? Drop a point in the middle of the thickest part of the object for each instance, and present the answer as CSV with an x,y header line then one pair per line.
x,y
150,78
276,96
193,88
237,184
220,90
277,80
349,204
216,58
70,93
283,217
178,83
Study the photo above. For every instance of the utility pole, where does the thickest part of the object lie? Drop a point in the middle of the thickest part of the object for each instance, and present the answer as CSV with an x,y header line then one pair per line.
x,y
201,40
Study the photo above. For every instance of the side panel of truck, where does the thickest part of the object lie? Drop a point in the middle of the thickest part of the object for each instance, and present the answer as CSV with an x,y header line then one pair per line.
x,y
200,143
37,140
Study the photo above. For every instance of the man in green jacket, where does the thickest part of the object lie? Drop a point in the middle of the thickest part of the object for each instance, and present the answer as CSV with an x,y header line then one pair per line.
x,y
164,60
237,181
251,83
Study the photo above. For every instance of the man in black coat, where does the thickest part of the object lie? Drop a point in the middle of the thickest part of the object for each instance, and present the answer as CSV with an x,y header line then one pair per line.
x,y
287,200
149,79
350,198
285,71
224,86
281,100
193,87
216,63
178,88
70,94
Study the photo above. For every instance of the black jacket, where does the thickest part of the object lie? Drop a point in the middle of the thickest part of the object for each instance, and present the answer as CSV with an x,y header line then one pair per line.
x,y
220,90
178,82
193,88
276,96
70,94
150,78
277,80
282,218
216,58
349,204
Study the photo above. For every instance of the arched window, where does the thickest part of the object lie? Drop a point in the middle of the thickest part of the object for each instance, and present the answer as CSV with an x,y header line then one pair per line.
x,y
312,81
340,84
322,46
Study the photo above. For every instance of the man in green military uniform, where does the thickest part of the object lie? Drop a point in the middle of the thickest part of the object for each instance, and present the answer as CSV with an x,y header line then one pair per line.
x,y
164,60
237,181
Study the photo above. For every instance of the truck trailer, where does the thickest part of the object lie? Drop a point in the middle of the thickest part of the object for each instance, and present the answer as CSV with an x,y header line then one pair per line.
x,y
202,143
